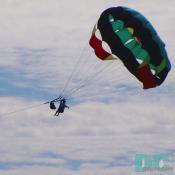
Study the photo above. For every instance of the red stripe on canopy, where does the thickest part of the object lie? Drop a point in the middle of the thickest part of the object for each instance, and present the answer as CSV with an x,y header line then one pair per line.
x,y
96,44
146,77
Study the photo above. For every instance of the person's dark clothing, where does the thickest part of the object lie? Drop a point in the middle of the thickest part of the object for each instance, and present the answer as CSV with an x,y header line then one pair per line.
x,y
61,107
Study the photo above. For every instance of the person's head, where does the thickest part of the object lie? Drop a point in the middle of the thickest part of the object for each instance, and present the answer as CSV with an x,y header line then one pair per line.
x,y
63,100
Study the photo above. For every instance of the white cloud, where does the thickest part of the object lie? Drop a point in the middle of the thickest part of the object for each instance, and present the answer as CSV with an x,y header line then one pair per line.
x,y
41,41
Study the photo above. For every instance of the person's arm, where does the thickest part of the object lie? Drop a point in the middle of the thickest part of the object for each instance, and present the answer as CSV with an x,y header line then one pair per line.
x,y
67,106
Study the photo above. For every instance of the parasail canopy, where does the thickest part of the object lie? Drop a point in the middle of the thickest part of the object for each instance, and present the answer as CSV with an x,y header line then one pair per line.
x,y
133,39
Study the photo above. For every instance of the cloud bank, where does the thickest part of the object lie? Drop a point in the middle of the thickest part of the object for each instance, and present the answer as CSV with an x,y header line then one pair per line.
x,y
111,118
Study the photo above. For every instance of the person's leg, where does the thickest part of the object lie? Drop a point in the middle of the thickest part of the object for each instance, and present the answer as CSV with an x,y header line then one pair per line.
x,y
56,113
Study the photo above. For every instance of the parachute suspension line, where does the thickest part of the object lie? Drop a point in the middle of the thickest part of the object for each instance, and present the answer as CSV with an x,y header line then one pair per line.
x,y
84,84
85,65
88,80
86,68
79,74
64,93
21,110
73,71
90,96
54,100
94,75
86,76
123,77
83,94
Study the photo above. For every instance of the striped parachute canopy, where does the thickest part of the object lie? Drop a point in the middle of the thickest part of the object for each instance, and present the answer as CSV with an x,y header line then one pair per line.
x,y
131,38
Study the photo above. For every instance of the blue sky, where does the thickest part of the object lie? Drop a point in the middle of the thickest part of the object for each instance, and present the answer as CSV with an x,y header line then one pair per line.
x,y
110,119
